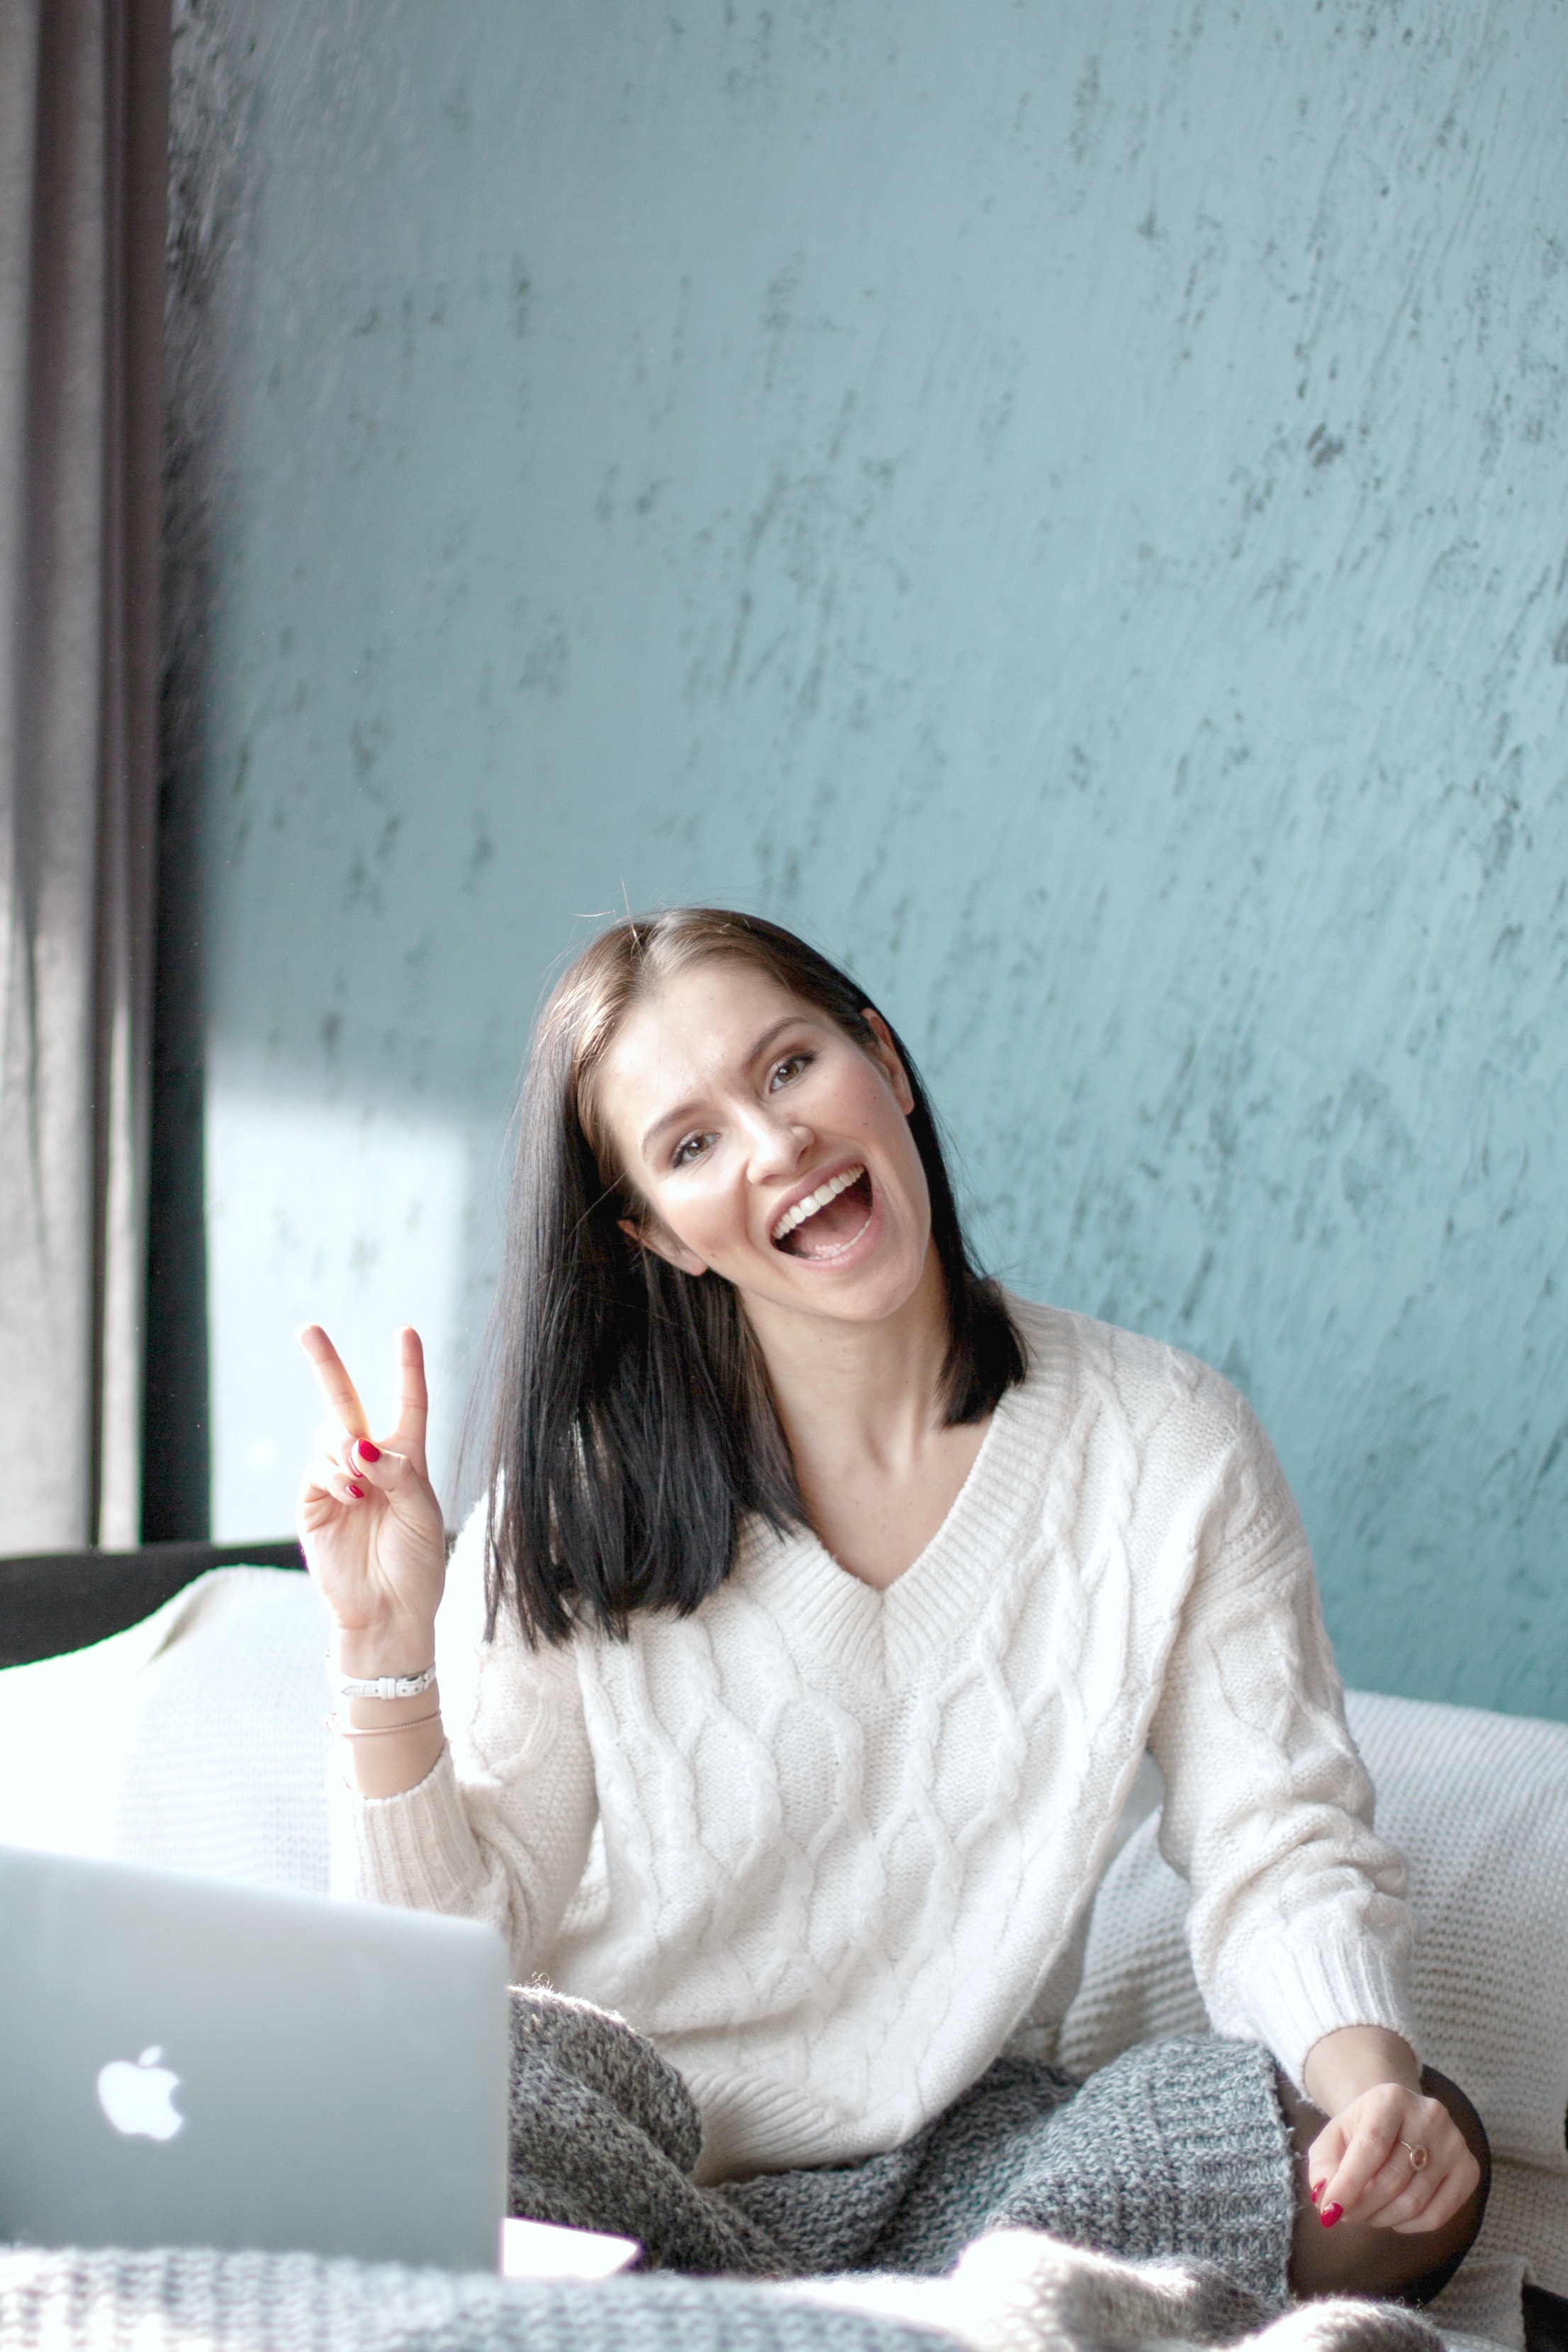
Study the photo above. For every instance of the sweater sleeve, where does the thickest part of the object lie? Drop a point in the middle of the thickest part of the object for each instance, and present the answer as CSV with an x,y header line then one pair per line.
x,y
1298,1923
499,1828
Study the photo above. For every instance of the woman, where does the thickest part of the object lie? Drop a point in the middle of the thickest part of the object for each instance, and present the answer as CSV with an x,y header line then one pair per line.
x,y
822,1605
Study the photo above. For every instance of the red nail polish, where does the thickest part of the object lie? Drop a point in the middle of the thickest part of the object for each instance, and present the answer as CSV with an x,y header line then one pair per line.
x,y
1317,2190
357,1492
367,1452
1330,2214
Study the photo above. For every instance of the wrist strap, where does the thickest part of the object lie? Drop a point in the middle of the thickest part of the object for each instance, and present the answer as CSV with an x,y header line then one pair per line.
x,y
387,1685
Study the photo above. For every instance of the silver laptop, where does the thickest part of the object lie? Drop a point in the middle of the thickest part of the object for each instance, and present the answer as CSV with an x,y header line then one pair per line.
x,y
185,2061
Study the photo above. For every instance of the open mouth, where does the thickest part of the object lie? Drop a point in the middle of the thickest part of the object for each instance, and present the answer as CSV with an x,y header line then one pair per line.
x,y
826,1223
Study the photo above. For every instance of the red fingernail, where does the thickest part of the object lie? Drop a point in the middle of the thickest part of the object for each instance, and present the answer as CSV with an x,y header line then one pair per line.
x,y
1330,2214
1317,2190
367,1452
357,1492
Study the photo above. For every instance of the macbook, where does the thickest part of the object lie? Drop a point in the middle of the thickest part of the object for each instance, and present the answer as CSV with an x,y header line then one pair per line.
x,y
185,2062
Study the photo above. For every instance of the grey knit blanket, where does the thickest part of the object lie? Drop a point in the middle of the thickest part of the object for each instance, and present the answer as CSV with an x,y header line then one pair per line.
x,y
1176,2149
1151,2208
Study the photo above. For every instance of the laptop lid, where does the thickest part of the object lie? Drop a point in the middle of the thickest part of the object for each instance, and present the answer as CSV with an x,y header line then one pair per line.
x,y
185,2062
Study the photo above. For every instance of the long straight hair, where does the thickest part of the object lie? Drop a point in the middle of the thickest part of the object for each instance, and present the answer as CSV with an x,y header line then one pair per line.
x,y
631,1425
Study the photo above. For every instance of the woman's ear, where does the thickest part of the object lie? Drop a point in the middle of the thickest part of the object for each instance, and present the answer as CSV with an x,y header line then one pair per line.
x,y
887,1059
654,1236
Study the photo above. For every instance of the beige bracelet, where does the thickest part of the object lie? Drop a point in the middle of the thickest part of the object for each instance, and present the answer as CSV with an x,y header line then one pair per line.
x,y
377,1730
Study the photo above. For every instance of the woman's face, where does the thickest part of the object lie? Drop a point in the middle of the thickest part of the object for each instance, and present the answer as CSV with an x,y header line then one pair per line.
x,y
768,1147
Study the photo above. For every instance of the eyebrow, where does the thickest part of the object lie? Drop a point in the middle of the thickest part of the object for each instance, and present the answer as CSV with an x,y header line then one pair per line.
x,y
686,1110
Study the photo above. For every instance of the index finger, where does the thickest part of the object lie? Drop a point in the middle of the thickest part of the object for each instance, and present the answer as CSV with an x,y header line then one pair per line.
x,y
332,1380
1368,2150
413,1397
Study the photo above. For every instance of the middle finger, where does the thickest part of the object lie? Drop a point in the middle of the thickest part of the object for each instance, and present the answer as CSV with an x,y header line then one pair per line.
x,y
332,1378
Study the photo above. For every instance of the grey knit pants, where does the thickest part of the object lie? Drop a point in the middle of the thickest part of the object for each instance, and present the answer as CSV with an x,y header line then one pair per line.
x,y
1178,2147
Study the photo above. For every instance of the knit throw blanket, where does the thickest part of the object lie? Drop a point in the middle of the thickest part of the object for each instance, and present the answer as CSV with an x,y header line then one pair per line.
x,y
978,2232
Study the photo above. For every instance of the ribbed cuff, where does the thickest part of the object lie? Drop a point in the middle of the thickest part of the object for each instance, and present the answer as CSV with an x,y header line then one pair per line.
x,y
415,1850
1297,1992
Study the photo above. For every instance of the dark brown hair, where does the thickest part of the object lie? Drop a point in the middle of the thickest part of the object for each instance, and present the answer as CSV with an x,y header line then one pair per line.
x,y
631,1427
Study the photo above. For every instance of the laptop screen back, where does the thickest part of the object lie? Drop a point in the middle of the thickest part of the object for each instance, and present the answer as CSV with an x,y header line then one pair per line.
x,y
185,2061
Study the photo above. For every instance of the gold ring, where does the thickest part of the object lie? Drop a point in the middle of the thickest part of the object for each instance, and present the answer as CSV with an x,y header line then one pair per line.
x,y
1417,2156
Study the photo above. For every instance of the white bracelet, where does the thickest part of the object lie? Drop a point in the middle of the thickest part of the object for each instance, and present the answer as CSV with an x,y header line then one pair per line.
x,y
389,1685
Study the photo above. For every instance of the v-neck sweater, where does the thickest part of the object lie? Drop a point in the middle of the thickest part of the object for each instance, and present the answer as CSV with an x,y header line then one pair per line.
x,y
832,1847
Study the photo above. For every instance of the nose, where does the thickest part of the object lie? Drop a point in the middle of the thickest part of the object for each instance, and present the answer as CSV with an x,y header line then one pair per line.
x,y
775,1146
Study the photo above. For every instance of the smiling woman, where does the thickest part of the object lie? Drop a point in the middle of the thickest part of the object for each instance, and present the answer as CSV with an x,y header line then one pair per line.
x,y
750,1117
822,1606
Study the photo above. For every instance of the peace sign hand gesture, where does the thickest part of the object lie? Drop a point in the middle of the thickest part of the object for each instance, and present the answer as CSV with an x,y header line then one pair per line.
x,y
368,1520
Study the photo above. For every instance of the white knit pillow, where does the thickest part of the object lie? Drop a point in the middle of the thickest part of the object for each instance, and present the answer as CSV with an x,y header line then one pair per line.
x,y
1479,1803
195,1740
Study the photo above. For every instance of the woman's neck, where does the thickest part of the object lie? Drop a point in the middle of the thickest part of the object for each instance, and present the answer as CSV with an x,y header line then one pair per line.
x,y
876,1386
862,1408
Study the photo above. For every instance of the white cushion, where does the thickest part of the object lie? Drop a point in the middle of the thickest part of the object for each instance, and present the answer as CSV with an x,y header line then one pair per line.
x,y
193,1742
1479,1803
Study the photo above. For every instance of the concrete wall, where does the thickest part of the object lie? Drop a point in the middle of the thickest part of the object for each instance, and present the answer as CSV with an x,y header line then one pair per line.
x,y
1067,505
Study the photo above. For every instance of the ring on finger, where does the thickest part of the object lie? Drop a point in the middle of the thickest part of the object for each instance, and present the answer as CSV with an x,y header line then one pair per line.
x,y
1417,2155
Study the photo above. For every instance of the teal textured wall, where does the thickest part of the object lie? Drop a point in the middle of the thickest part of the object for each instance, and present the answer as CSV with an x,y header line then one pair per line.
x,y
1066,506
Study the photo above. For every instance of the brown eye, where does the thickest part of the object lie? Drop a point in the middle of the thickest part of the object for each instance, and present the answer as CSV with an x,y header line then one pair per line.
x,y
690,1149
784,1072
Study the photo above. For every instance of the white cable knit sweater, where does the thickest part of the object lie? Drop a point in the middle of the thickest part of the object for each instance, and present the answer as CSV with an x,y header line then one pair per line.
x,y
831,1847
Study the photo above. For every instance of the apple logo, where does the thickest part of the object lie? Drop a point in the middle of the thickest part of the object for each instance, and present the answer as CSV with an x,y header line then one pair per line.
x,y
139,2100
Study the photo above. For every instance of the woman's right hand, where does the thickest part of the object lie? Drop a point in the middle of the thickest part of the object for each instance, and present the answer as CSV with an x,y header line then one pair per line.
x,y
368,1520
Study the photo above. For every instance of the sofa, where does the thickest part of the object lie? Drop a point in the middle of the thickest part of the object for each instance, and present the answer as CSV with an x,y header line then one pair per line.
x,y
193,1738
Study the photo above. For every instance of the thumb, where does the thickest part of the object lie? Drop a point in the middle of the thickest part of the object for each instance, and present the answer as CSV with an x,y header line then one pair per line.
x,y
397,1475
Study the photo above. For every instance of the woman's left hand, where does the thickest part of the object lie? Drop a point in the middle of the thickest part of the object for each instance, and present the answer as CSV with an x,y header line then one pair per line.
x,y
1390,2156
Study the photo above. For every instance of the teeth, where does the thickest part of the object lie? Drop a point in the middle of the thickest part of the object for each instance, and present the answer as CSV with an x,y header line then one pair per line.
x,y
815,1201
